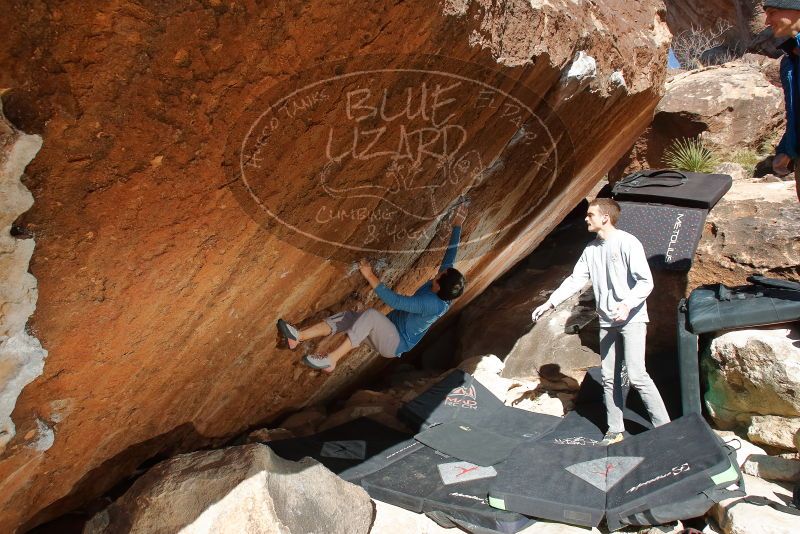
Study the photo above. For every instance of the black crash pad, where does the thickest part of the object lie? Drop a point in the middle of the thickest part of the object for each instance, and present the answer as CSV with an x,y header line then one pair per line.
x,y
427,481
350,450
494,441
458,396
661,475
682,461
669,234
535,481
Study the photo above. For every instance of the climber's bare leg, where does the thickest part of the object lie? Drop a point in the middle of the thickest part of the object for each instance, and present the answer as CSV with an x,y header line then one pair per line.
x,y
338,353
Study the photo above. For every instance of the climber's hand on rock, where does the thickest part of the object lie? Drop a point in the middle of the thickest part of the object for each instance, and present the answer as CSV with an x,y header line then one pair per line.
x,y
365,268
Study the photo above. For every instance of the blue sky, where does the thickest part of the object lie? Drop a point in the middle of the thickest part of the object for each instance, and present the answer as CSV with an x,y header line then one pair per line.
x,y
672,61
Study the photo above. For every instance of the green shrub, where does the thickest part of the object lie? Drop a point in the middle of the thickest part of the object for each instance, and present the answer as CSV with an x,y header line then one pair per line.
x,y
747,158
690,155
771,142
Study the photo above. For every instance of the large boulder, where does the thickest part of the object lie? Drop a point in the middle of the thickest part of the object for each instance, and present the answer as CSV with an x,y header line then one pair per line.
x,y
162,267
235,490
734,106
755,229
734,103
752,373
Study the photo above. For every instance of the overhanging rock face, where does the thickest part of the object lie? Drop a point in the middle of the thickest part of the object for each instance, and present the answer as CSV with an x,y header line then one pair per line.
x,y
176,221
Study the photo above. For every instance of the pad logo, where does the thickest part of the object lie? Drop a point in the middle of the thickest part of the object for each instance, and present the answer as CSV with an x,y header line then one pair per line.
x,y
604,473
577,440
463,397
675,471
673,239
345,450
472,497
456,472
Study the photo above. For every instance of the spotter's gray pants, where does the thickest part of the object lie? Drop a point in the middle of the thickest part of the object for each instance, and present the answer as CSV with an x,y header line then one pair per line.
x,y
627,341
370,325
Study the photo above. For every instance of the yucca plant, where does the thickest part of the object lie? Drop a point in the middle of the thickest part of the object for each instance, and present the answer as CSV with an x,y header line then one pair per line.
x,y
690,155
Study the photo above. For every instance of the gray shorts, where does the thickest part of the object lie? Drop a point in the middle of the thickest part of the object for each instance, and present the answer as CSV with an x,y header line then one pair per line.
x,y
371,325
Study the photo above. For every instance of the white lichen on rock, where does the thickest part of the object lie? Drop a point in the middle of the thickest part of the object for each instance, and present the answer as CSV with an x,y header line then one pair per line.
x,y
583,66
21,355
618,79
45,437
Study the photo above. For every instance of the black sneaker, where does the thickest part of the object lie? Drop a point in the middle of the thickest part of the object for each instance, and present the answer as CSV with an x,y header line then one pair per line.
x,y
289,332
611,437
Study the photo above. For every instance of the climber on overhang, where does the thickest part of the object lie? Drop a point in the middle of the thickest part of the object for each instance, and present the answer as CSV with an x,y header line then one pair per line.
x,y
398,332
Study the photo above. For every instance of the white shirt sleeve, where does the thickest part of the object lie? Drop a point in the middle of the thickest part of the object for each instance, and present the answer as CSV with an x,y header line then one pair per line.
x,y
640,271
573,283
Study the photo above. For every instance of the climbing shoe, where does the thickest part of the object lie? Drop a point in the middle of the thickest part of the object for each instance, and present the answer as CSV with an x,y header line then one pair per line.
x,y
611,438
317,361
289,332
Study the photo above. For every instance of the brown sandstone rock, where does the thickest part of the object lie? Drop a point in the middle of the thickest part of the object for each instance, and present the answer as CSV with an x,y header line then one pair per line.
x,y
305,422
236,490
734,106
381,414
264,435
159,291
755,229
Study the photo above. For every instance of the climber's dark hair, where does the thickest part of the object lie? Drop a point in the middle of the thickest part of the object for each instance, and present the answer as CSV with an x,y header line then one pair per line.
x,y
451,284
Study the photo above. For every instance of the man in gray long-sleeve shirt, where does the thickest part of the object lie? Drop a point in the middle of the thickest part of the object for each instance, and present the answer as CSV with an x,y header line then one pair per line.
x,y
621,280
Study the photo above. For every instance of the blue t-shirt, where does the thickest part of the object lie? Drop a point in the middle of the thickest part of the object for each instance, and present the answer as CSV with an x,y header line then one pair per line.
x,y
414,315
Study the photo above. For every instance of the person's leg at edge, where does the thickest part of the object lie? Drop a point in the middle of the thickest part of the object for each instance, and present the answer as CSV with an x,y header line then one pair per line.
x,y
610,371
634,336
797,178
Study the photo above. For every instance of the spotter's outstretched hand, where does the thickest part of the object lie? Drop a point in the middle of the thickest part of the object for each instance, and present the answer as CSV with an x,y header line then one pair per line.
x,y
541,310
